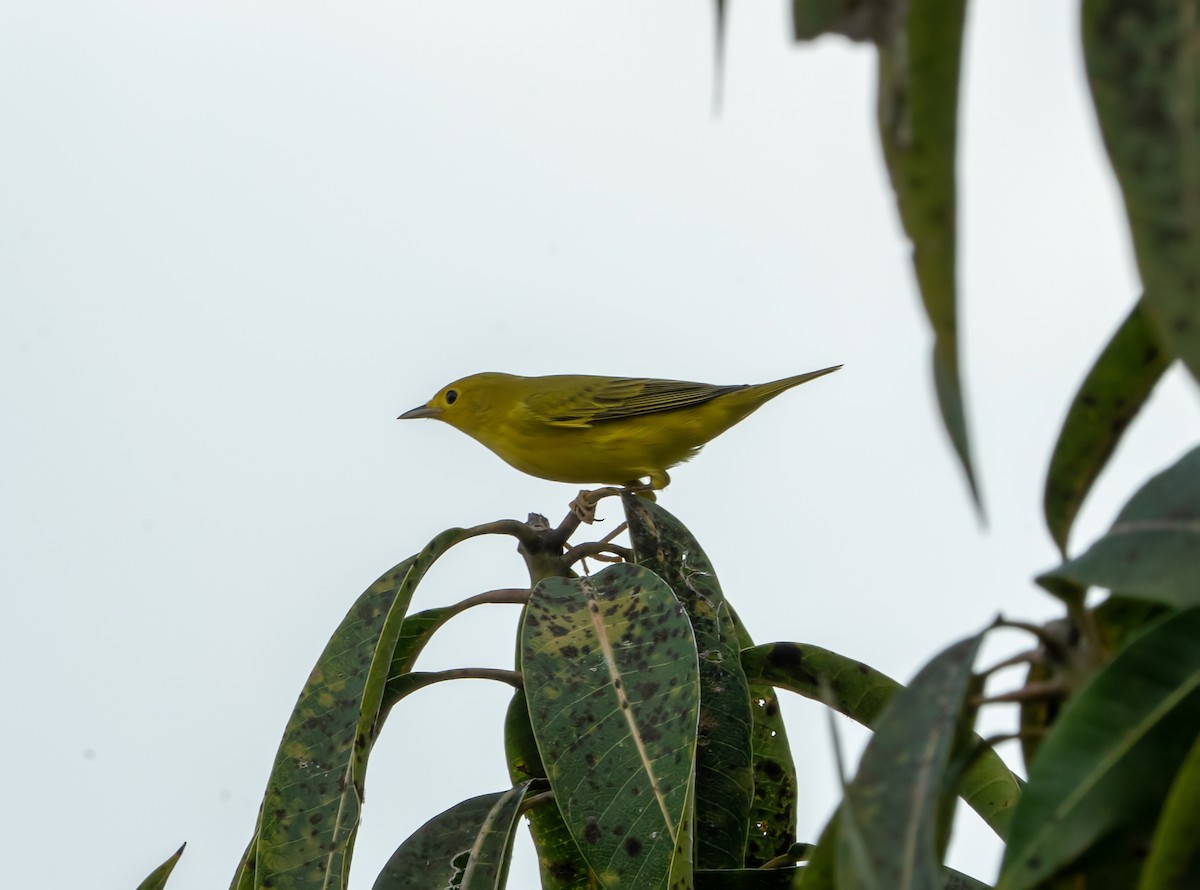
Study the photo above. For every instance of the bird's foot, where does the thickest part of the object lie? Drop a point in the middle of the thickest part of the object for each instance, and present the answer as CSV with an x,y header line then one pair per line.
x,y
584,507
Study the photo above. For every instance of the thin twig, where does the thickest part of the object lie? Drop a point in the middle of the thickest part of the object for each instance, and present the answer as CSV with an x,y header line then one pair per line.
x,y
598,550
1054,645
423,679
518,595
534,800
1032,656
1049,690
522,531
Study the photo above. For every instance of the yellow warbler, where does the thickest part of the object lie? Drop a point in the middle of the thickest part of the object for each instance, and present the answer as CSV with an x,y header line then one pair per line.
x,y
611,430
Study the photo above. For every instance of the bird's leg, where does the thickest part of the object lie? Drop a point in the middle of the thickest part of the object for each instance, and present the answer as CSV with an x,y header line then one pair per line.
x,y
646,490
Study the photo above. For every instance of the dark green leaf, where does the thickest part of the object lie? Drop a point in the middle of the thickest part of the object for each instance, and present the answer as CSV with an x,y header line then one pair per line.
x,y
773,811
1108,762
891,804
311,809
467,847
1143,64
861,692
1153,549
157,879
850,18
918,124
820,872
1110,397
724,771
1174,862
562,865
611,676
748,878
956,880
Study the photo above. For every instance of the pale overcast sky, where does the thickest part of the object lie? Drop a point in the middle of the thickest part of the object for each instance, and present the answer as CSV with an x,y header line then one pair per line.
x,y
237,239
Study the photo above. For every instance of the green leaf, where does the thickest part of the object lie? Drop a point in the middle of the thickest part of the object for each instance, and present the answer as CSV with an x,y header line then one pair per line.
x,y
157,879
612,680
748,878
1153,549
1143,65
467,847
1174,862
724,769
562,865
892,803
311,808
858,21
1109,759
918,124
861,693
1110,397
773,810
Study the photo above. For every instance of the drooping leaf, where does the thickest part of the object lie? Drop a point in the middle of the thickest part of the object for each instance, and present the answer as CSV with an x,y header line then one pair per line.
x,y
157,879
311,808
612,681
919,55
1153,549
561,864
467,847
1174,861
920,47
773,811
1143,65
893,799
861,693
724,770
1110,397
1109,760
720,38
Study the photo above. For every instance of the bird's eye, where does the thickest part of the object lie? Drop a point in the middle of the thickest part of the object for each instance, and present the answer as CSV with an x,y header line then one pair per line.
x,y
451,396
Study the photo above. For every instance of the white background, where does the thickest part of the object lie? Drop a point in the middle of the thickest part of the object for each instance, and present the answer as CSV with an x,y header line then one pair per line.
x,y
237,239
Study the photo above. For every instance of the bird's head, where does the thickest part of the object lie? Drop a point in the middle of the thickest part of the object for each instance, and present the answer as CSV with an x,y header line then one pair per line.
x,y
464,403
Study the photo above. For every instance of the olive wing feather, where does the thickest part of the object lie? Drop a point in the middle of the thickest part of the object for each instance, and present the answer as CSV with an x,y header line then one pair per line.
x,y
601,400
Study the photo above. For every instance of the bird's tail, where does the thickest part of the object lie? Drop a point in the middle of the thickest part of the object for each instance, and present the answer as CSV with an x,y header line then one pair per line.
x,y
775,387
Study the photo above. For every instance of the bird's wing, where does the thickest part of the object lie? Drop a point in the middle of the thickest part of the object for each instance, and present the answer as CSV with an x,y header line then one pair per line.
x,y
604,399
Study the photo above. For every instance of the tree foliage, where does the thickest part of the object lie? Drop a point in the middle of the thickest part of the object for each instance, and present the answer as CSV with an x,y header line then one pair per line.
x,y
644,739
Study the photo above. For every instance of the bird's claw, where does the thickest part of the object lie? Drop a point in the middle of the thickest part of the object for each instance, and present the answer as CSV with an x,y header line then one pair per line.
x,y
584,507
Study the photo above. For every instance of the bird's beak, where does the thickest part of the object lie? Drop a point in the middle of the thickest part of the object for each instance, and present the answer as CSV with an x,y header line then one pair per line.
x,y
421,411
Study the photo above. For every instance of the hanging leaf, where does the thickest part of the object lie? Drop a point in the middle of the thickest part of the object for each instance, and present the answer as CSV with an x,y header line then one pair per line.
x,y
612,681
891,806
467,847
920,49
919,60
1152,551
1110,397
1109,760
311,808
724,770
1143,65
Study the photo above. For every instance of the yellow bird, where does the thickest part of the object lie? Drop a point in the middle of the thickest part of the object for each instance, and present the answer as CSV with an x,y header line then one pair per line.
x,y
610,430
